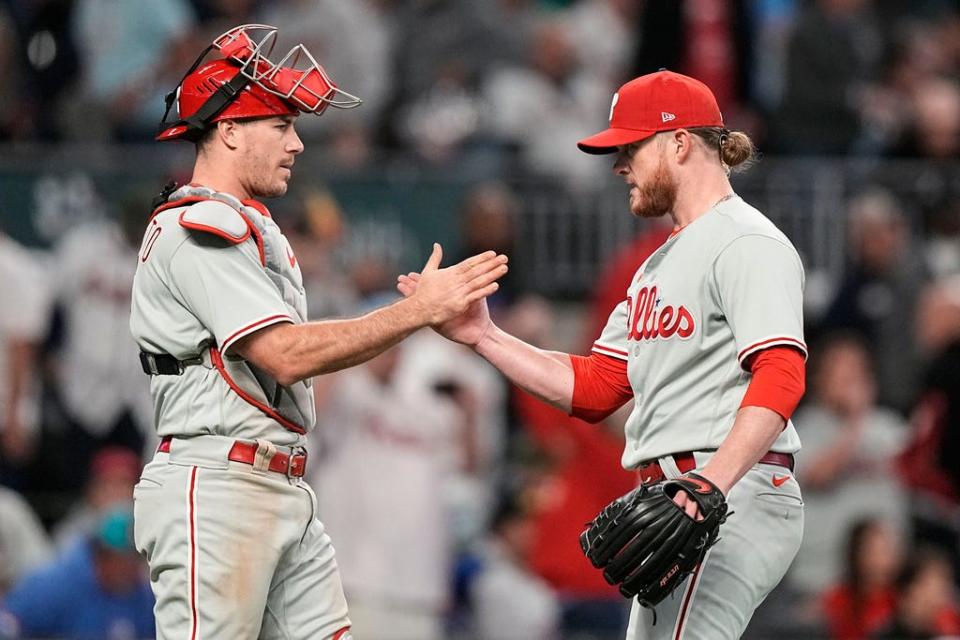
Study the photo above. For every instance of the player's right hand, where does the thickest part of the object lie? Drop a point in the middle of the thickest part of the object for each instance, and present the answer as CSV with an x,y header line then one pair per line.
x,y
461,313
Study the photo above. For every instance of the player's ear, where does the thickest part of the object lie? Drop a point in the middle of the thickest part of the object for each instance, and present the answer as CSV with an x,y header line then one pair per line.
x,y
681,144
229,132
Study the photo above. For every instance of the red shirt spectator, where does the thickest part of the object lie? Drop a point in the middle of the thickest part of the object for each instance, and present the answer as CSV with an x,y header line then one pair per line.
x,y
849,620
587,475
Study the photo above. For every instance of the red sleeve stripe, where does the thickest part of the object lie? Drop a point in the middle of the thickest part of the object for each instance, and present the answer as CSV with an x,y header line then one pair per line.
x,y
609,351
250,328
769,342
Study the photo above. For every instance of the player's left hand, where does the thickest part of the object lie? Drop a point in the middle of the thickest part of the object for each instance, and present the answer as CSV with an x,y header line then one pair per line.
x,y
683,500
646,547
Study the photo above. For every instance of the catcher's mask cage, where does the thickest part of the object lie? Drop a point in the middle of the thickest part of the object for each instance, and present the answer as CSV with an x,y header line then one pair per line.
x,y
298,79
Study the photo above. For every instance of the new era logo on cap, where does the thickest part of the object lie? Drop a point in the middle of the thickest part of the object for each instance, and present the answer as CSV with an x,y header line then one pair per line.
x,y
667,117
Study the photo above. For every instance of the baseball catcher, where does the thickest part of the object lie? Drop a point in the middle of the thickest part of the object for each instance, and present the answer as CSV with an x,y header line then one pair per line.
x,y
647,544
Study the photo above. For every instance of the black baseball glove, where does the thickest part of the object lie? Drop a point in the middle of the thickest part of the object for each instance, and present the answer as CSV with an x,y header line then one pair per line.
x,y
646,544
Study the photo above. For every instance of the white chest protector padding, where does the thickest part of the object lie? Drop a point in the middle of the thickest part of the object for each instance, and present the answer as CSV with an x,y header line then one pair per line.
x,y
226,216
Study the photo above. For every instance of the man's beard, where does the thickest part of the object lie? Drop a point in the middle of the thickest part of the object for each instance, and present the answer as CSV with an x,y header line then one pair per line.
x,y
264,188
261,185
658,195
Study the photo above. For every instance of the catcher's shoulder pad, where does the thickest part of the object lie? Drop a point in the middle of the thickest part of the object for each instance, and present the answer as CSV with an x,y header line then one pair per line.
x,y
216,217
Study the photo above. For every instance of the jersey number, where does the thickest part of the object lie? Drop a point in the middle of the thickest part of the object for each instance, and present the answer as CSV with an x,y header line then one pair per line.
x,y
149,239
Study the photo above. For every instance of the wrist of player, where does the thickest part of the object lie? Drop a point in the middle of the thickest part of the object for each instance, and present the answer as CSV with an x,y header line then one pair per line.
x,y
487,338
722,479
416,310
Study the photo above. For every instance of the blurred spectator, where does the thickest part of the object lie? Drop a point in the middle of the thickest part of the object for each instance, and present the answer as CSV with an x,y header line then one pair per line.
x,y
489,220
114,471
927,605
447,48
847,461
24,544
386,452
773,22
98,590
942,237
354,42
934,130
879,291
39,67
317,230
575,450
104,392
433,362
509,601
128,51
545,107
863,601
931,464
222,15
711,40
602,32
23,324
834,51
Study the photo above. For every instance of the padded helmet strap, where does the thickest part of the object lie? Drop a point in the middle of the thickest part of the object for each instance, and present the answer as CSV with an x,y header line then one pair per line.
x,y
216,103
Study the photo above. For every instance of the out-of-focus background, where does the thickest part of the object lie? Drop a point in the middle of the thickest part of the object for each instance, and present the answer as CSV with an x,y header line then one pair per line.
x,y
450,496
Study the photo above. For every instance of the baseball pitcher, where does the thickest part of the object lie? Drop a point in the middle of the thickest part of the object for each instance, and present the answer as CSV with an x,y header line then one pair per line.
x,y
709,341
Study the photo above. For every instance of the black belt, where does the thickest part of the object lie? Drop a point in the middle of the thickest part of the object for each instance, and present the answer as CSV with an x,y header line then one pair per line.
x,y
164,364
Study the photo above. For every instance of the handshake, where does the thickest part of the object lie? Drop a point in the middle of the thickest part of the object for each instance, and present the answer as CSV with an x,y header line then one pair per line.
x,y
452,299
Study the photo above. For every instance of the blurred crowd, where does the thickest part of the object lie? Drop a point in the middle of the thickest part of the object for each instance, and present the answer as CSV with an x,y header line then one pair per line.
x,y
453,500
485,82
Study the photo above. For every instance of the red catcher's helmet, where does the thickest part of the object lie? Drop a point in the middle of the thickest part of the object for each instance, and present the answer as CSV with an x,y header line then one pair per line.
x,y
246,84
250,102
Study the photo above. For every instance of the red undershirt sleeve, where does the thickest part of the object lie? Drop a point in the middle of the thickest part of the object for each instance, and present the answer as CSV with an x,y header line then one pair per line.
x,y
778,380
600,386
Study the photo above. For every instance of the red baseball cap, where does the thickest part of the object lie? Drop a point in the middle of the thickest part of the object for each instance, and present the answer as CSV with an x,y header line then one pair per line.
x,y
661,101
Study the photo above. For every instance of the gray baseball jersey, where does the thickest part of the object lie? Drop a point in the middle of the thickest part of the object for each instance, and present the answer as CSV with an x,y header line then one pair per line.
x,y
201,284
235,549
726,286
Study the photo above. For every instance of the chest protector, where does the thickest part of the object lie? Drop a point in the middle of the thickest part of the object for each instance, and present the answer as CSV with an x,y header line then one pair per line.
x,y
246,221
